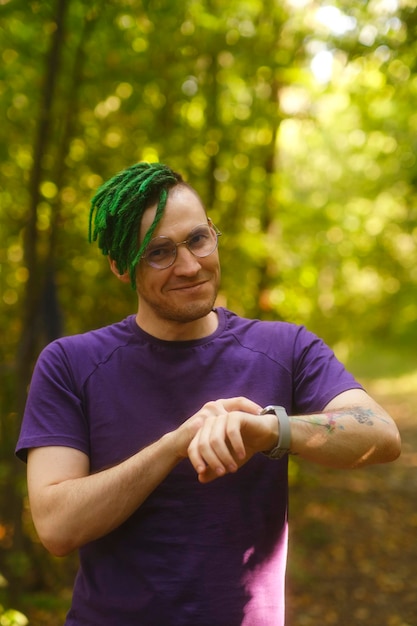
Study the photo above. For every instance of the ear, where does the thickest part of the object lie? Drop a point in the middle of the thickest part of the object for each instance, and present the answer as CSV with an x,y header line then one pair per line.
x,y
125,278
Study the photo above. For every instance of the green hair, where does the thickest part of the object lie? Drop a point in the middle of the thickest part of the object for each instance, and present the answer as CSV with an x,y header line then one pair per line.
x,y
117,209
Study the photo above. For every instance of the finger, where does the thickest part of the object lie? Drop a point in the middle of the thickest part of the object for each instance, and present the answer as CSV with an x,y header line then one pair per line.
x,y
243,404
210,446
234,435
213,446
199,447
207,476
193,453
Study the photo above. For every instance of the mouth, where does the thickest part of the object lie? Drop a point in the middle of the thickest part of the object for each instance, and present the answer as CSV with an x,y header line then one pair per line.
x,y
189,287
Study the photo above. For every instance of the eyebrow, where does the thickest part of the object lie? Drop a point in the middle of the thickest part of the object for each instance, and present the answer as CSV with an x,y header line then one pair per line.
x,y
181,240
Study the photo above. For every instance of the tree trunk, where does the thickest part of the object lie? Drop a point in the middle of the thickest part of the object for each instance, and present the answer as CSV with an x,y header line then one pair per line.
x,y
27,350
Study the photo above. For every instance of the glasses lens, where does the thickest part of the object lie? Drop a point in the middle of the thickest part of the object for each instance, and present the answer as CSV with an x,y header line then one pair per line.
x,y
160,253
202,241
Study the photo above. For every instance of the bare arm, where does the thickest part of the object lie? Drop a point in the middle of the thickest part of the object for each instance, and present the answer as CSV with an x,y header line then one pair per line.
x,y
352,431
71,507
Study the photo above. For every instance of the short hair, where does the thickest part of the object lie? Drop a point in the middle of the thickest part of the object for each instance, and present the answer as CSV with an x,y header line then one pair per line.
x,y
117,209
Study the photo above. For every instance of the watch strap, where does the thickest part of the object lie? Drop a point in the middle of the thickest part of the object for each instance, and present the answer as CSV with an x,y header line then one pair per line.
x,y
284,432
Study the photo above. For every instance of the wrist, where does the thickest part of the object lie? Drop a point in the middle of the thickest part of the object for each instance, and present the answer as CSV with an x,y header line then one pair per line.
x,y
273,432
283,441
175,445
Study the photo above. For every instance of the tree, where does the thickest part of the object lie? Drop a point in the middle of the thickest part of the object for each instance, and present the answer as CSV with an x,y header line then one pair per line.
x,y
295,121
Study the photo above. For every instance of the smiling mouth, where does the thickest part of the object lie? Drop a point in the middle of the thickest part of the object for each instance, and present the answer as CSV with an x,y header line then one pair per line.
x,y
193,286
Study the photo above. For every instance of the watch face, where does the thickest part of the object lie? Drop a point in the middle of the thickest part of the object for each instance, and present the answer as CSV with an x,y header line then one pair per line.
x,y
268,409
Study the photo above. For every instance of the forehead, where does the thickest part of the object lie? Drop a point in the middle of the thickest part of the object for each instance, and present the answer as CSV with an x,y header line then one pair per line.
x,y
183,211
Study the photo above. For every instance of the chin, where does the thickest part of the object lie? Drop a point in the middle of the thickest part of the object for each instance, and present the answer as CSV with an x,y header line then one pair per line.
x,y
191,313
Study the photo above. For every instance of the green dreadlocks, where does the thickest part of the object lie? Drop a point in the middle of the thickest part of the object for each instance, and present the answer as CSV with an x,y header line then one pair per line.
x,y
118,206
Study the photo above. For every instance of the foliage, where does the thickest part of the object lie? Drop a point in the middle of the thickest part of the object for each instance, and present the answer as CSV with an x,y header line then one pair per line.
x,y
12,618
296,122
312,182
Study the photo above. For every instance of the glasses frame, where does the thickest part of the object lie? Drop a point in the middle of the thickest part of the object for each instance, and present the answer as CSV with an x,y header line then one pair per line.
x,y
186,242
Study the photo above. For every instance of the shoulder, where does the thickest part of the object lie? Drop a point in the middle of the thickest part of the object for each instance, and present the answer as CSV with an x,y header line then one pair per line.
x,y
83,352
267,334
316,374
287,343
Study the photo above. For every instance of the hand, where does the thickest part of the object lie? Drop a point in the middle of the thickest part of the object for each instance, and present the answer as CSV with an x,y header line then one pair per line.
x,y
228,438
184,434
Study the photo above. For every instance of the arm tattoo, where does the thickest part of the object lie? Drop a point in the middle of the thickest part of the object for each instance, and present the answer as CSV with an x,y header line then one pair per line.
x,y
330,419
359,413
330,423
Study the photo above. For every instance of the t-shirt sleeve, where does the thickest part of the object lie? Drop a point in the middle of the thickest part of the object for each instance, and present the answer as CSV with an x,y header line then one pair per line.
x,y
54,414
318,375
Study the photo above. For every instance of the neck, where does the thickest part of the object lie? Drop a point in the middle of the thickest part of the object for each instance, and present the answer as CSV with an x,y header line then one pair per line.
x,y
171,330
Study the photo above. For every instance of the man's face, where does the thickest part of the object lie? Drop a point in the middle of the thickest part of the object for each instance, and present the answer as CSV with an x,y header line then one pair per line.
x,y
186,291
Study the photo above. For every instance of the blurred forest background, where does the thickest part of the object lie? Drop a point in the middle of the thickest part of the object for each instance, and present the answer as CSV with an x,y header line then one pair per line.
x,y
296,120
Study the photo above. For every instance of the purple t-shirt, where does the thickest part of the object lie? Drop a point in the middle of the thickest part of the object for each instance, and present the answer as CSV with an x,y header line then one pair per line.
x,y
192,554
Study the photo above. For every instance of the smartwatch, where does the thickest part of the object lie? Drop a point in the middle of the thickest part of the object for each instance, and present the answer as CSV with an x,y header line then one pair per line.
x,y
284,429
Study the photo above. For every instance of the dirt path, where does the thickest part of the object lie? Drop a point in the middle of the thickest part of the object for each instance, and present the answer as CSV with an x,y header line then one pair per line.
x,y
353,536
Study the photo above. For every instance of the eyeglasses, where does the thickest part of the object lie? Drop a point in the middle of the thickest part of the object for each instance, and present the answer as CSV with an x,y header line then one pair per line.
x,y
201,242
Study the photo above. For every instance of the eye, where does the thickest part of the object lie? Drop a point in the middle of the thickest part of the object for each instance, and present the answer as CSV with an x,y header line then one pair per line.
x,y
199,239
159,253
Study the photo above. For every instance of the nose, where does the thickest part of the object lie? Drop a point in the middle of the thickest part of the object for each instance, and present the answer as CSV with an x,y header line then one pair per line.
x,y
186,263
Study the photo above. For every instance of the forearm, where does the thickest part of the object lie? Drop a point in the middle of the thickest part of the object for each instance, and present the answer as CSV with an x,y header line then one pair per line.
x,y
72,512
71,507
346,437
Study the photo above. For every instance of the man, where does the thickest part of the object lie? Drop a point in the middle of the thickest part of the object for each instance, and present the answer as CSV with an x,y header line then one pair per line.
x,y
149,442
